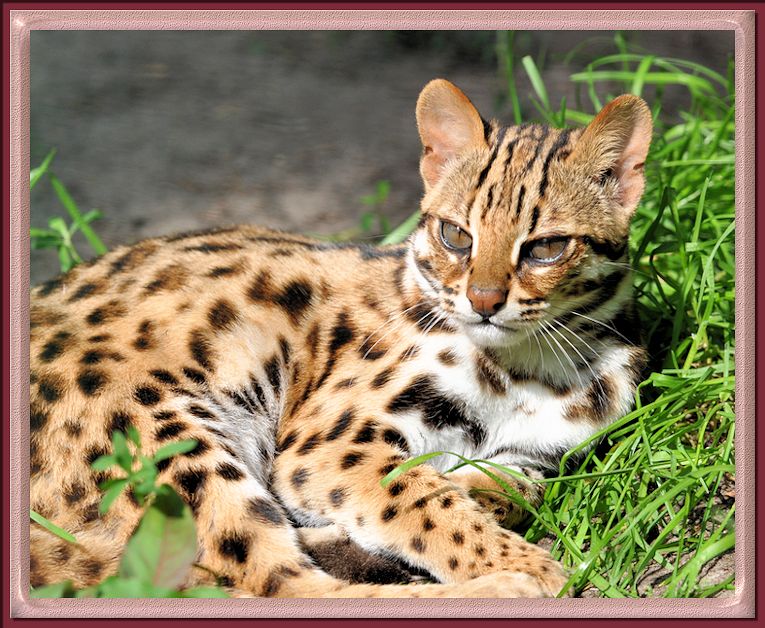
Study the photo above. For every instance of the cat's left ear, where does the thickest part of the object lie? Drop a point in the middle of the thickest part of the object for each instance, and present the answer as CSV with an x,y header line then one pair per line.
x,y
449,126
616,143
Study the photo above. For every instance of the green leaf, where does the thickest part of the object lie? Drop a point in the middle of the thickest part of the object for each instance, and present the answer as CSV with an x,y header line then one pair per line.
x,y
58,589
163,547
121,451
203,592
102,463
51,527
134,436
536,81
122,587
409,464
401,233
68,202
111,494
174,449
37,173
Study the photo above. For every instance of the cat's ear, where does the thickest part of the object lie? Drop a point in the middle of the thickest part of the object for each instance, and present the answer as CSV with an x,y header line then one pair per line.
x,y
449,126
616,144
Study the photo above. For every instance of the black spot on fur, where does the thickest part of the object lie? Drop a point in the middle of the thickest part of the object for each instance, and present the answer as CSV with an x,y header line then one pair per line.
x,y
418,545
367,433
294,299
309,444
275,578
119,422
458,538
62,553
351,459
201,349
274,374
164,415
453,563
342,424
265,511
342,333
169,430
86,290
50,388
222,315
396,489
37,418
200,412
105,313
229,472
49,286
73,428
201,448
74,493
437,410
428,524
447,502
383,377
288,441
164,376
91,381
90,513
147,395
284,347
91,569
198,377
55,347
389,513
337,496
191,483
394,437
235,546
299,477
370,350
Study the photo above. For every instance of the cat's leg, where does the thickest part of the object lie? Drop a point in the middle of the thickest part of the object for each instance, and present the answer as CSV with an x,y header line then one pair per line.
x,y
491,496
246,540
422,518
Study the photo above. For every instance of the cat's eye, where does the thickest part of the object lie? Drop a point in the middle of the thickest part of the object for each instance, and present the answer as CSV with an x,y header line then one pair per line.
x,y
454,237
547,250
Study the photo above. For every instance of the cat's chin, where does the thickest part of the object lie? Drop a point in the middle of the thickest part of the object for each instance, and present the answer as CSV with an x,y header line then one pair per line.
x,y
491,336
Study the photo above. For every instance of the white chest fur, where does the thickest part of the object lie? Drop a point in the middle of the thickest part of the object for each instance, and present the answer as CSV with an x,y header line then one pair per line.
x,y
528,424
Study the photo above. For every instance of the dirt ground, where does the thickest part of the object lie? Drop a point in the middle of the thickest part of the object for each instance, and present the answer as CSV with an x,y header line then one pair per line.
x,y
171,131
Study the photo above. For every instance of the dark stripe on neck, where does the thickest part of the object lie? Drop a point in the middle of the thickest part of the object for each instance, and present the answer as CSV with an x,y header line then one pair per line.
x,y
559,143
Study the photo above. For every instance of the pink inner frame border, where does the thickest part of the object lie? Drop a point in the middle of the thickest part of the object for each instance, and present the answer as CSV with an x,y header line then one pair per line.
x,y
741,605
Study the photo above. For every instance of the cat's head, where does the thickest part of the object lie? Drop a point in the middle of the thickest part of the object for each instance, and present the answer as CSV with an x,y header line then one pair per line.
x,y
524,224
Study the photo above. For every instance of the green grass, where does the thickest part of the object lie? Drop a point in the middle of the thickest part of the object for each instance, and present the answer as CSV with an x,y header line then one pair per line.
x,y
655,496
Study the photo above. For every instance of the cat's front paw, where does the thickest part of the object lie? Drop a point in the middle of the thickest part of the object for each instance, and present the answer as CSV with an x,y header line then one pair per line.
x,y
484,490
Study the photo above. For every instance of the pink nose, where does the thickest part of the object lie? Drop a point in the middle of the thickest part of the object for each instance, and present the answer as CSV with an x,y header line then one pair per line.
x,y
486,301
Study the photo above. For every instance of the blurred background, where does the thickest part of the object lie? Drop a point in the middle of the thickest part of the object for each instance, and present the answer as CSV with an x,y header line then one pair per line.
x,y
305,131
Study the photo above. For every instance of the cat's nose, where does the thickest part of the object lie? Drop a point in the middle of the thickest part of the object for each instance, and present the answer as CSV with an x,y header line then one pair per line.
x,y
486,301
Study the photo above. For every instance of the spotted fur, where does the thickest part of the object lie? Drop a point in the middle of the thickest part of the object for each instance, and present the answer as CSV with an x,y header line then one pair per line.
x,y
307,370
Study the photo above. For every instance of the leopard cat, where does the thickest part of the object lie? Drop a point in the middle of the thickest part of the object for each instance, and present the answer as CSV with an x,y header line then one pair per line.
x,y
503,329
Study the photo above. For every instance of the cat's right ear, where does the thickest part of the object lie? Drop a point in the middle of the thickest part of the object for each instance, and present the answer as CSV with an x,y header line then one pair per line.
x,y
449,126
